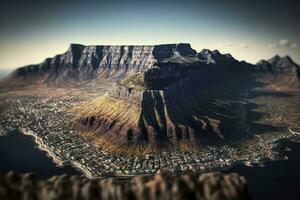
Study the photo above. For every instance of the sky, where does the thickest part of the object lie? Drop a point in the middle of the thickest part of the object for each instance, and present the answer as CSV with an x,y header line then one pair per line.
x,y
33,30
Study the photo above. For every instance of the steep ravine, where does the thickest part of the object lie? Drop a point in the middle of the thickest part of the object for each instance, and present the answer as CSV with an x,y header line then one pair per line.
x,y
170,104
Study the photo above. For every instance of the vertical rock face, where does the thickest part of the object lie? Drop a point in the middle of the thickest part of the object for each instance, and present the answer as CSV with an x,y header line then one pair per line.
x,y
84,63
164,94
174,102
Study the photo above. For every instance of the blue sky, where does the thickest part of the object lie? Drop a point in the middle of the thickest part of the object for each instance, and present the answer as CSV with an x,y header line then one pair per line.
x,y
252,30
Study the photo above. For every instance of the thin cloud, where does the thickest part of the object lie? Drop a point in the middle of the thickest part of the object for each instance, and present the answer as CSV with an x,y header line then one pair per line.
x,y
283,43
225,44
272,46
244,45
229,44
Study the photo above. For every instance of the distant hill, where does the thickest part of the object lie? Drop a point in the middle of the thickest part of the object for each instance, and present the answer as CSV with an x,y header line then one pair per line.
x,y
280,72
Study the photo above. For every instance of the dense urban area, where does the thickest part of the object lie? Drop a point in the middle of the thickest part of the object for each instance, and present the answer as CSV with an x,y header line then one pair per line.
x,y
47,119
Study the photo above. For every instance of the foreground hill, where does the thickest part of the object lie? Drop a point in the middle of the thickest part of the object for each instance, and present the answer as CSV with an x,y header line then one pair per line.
x,y
211,186
183,100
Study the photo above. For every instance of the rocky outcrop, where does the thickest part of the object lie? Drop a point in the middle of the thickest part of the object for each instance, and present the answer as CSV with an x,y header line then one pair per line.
x,y
278,64
92,63
279,72
98,63
211,186
213,57
176,102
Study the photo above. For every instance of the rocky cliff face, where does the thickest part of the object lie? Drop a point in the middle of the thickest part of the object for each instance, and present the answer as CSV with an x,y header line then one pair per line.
x,y
87,63
164,94
211,186
181,101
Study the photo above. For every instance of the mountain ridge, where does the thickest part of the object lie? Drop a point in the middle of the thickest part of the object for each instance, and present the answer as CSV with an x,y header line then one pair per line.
x,y
81,62
278,64
164,95
84,63
171,104
280,72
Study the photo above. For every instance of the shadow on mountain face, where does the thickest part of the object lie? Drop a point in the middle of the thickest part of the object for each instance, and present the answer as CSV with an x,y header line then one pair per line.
x,y
195,99
255,94
203,102
207,104
215,105
259,128
254,116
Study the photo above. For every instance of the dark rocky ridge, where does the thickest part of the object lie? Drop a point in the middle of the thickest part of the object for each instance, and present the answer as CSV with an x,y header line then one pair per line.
x,y
175,103
101,62
90,63
181,100
278,64
164,94
280,72
211,186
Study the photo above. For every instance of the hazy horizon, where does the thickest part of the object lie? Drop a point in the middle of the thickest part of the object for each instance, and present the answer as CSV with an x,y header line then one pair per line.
x,y
33,30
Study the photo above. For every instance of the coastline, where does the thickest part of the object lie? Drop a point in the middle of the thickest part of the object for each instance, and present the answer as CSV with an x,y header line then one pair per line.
x,y
57,160
80,167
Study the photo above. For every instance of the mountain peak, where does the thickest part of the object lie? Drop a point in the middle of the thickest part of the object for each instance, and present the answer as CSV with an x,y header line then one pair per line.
x,y
284,61
92,60
217,52
278,64
73,46
288,59
205,51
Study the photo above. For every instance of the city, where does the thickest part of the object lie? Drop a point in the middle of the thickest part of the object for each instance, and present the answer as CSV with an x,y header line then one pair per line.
x,y
49,122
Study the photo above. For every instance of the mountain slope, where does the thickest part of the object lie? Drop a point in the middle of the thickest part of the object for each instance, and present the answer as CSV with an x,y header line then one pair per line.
x,y
182,101
93,63
164,95
280,72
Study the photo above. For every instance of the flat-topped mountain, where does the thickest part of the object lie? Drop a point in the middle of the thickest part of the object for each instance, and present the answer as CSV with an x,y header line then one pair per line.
x,y
82,63
86,63
181,101
164,95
